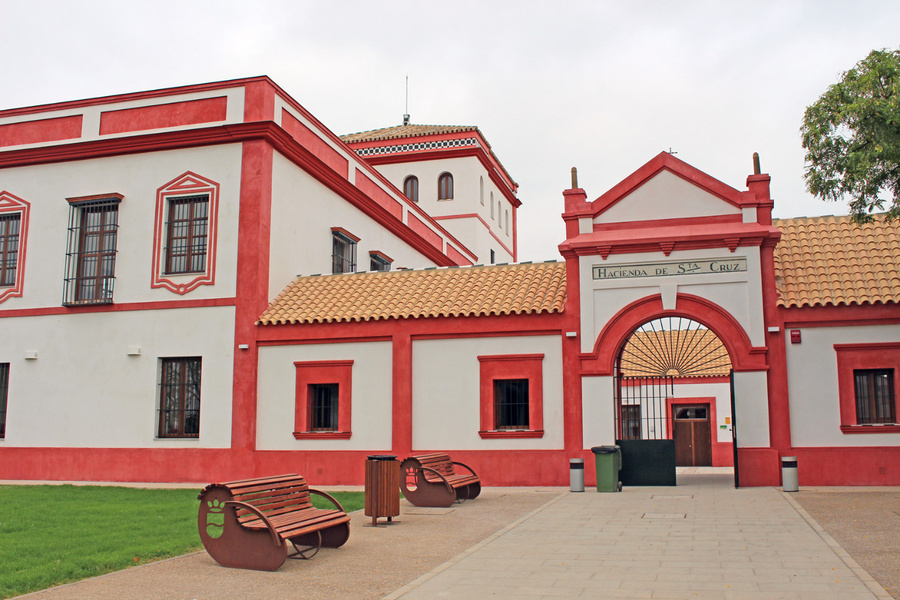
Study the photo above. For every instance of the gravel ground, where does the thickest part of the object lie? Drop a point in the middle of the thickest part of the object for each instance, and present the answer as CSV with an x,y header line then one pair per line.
x,y
374,562
865,522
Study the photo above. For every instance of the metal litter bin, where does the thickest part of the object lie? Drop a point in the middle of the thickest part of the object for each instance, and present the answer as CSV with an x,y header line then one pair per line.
x,y
576,474
382,492
608,462
789,479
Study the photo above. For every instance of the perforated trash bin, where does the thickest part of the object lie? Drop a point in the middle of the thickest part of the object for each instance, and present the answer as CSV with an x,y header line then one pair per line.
x,y
608,462
576,474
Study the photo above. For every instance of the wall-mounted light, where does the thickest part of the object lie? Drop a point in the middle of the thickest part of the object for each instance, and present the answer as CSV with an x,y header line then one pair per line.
x,y
243,346
571,334
134,351
31,355
775,329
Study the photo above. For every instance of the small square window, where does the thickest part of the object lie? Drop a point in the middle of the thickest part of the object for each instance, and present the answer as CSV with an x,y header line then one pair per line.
x,y
179,397
874,391
511,396
510,404
323,400
343,252
379,262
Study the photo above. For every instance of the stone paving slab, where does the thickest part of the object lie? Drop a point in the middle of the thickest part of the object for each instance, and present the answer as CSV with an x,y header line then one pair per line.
x,y
703,539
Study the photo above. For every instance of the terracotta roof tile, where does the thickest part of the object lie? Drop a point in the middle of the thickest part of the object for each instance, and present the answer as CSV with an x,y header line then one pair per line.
x,y
403,131
824,261
464,291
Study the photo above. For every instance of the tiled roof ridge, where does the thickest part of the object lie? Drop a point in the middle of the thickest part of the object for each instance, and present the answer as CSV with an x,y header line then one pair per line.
x,y
403,131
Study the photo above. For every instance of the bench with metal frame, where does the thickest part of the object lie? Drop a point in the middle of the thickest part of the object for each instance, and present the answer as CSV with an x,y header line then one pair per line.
x,y
432,480
249,524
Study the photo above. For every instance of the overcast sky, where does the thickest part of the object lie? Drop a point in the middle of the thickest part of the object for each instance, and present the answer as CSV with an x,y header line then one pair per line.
x,y
598,85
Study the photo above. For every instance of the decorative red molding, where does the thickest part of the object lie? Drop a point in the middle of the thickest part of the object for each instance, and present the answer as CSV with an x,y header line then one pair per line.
x,y
186,184
10,204
43,130
159,116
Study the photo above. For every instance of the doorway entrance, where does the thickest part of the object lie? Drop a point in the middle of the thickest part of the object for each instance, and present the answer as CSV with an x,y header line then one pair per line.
x,y
693,435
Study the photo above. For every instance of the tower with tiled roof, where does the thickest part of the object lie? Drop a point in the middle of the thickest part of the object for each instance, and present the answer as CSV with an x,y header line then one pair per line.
x,y
451,172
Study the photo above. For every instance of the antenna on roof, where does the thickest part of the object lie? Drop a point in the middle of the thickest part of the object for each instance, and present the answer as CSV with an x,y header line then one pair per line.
x,y
406,111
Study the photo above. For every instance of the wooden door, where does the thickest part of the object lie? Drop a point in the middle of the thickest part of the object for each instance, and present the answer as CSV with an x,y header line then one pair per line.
x,y
693,436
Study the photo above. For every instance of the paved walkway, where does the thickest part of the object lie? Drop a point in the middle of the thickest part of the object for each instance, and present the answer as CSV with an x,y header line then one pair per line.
x,y
700,540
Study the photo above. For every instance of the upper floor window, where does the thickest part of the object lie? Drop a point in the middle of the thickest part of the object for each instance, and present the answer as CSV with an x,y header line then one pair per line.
x,y
186,234
445,186
343,251
874,396
9,248
379,262
411,188
507,222
13,231
492,205
91,249
481,190
179,397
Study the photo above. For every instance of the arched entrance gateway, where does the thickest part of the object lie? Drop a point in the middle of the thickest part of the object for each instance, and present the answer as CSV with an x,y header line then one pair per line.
x,y
672,399
674,284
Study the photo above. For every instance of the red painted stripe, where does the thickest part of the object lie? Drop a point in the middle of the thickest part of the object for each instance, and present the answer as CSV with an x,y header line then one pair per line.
x,y
314,143
423,230
160,116
117,307
457,256
44,130
382,198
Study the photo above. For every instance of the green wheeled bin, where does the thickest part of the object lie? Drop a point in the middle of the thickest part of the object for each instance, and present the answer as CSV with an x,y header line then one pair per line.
x,y
608,462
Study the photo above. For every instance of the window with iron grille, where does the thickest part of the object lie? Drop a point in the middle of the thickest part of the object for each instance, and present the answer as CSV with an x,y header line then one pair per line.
x,y
9,248
323,406
186,234
631,421
343,254
4,393
510,404
411,188
445,186
874,396
179,397
91,251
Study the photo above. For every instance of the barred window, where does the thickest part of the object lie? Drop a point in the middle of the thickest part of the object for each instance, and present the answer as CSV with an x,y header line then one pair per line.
x,y
4,393
187,232
411,188
179,397
378,263
343,253
511,404
91,251
323,406
9,248
445,187
874,396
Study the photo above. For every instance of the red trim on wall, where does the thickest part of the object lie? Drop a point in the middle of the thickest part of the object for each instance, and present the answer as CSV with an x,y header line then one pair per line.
x,y
254,226
161,116
744,356
457,256
323,372
307,138
424,231
384,200
80,199
864,356
857,315
118,307
402,402
486,226
43,130
759,467
184,185
10,204
861,465
512,366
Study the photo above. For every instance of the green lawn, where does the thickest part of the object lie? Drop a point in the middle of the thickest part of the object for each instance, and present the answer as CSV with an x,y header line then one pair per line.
x,y
50,535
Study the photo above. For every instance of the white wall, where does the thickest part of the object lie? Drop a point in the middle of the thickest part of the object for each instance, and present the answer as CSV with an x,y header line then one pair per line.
x,y
446,395
85,391
813,385
598,411
752,408
137,177
372,393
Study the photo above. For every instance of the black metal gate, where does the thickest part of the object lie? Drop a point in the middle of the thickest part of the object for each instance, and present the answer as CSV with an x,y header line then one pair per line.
x,y
644,429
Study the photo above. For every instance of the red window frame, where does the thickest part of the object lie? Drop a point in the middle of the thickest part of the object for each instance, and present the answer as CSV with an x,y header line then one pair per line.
x,y
445,186
12,205
505,367
853,357
339,372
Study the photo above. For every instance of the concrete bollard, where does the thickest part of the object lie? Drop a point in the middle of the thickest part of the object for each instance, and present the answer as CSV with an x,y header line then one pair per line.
x,y
576,474
789,480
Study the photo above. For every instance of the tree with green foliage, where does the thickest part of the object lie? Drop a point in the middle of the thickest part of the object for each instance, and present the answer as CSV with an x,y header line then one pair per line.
x,y
852,138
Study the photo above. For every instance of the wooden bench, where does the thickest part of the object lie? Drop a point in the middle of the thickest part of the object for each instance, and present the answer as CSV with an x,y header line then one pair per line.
x,y
432,480
248,524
